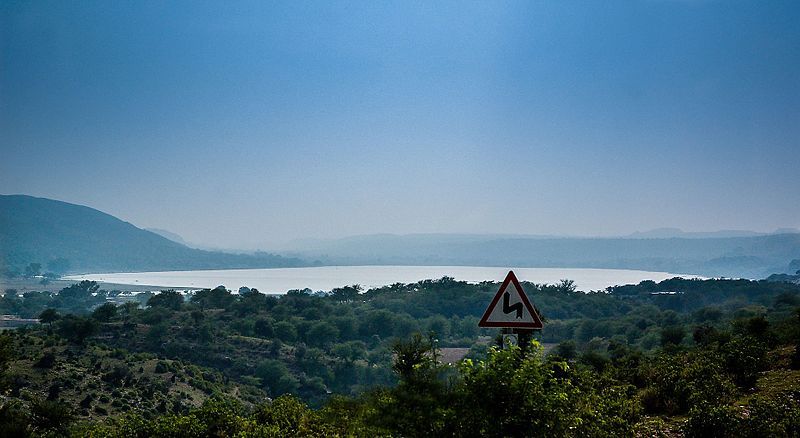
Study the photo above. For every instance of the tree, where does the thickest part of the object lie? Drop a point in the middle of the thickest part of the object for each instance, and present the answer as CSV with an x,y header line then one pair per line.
x,y
419,404
276,377
49,316
350,351
414,359
566,350
79,291
51,416
128,308
322,333
217,298
250,302
672,335
105,313
168,299
347,293
566,286
77,329
291,417
516,394
285,331
379,322
263,328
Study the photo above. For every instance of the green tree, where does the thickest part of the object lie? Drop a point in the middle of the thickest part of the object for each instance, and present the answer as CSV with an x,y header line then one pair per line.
x,y
263,328
105,313
77,329
322,333
511,394
51,417
285,331
672,335
276,377
350,351
49,316
347,293
217,298
79,291
418,405
128,309
287,416
566,350
168,299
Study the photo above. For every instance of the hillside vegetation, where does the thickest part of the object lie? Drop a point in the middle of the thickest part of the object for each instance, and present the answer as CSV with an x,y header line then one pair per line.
x,y
680,357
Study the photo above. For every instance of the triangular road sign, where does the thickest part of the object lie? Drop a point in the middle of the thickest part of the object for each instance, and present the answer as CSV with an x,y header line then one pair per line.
x,y
510,307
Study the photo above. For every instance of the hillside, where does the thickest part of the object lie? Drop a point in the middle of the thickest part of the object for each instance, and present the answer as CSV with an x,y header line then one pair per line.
x,y
98,381
732,256
38,230
715,358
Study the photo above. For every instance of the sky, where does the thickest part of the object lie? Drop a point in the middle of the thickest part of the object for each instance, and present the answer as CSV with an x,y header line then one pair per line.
x,y
249,124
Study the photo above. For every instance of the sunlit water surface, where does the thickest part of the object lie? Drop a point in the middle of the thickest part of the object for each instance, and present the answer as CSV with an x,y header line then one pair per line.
x,y
325,278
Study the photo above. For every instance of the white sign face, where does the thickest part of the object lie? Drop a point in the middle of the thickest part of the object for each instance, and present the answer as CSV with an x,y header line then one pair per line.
x,y
511,308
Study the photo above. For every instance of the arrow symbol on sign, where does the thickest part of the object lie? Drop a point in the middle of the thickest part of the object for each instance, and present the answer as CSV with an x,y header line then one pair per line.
x,y
508,309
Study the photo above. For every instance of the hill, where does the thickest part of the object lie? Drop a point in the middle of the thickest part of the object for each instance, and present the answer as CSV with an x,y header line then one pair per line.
x,y
82,239
731,256
168,235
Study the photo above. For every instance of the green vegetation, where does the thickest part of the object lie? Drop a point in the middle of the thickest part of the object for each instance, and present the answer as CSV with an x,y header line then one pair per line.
x,y
679,357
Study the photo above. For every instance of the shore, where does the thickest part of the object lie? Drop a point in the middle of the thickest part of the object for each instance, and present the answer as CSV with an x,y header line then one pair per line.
x,y
23,285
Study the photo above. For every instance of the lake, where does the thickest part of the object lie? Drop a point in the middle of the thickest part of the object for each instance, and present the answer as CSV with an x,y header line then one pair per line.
x,y
325,278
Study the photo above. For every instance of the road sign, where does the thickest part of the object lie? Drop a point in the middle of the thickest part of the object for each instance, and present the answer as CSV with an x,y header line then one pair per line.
x,y
510,340
510,307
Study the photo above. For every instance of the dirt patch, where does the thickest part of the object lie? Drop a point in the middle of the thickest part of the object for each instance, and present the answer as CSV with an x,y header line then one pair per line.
x,y
452,355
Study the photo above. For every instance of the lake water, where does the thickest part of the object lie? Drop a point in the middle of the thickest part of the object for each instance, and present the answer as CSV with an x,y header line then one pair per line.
x,y
328,277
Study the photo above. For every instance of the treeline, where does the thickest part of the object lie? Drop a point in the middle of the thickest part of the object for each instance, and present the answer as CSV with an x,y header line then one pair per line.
x,y
675,349
314,345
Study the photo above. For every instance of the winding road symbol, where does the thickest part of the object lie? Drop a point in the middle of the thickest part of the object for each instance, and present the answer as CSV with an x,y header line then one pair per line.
x,y
520,315
508,309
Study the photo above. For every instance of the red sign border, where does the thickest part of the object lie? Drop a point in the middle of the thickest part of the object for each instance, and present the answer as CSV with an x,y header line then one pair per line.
x,y
537,322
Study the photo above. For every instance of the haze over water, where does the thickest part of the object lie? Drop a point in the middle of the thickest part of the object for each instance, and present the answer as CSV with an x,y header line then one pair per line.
x,y
329,277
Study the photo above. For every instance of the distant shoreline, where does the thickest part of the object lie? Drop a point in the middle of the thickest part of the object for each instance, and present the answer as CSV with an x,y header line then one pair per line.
x,y
23,285
325,278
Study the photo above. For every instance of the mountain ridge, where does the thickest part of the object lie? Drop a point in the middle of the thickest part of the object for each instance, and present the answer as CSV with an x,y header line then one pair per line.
x,y
747,256
40,230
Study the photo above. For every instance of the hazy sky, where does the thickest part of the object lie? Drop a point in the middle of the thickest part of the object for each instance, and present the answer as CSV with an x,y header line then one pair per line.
x,y
249,124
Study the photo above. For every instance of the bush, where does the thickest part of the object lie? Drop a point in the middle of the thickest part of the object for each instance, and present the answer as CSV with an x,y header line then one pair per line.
x,y
708,421
778,417
46,361
118,375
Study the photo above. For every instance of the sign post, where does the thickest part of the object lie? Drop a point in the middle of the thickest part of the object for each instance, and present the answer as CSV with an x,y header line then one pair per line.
x,y
511,311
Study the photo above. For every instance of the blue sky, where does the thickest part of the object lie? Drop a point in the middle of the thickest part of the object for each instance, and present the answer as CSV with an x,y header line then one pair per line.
x,y
247,124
